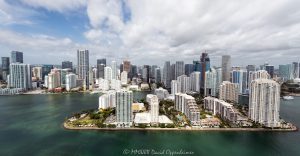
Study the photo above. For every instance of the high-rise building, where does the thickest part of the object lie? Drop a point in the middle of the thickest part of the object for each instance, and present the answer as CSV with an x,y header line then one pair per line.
x,y
133,71
161,93
188,69
174,87
179,68
219,79
229,91
67,64
124,77
157,75
296,69
101,64
146,73
152,71
264,102
250,68
270,70
286,72
195,81
37,73
124,100
101,61
219,107
83,66
20,76
16,57
260,74
114,70
210,86
205,66
108,73
46,69
154,107
54,80
126,66
63,74
184,84
167,74
226,67
5,67
173,77
240,77
197,66
107,100
187,105
70,81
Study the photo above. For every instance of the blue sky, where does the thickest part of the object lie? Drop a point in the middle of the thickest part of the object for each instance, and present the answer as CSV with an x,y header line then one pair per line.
x,y
151,32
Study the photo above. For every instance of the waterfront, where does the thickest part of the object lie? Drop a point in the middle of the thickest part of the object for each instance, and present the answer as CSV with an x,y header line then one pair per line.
x,y
32,125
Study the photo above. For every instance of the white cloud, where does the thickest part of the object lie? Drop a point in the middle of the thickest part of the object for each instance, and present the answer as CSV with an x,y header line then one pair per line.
x,y
10,14
56,5
158,30
176,30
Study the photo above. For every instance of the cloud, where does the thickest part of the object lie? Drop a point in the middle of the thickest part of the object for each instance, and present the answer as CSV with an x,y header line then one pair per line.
x,y
176,30
10,14
56,5
153,31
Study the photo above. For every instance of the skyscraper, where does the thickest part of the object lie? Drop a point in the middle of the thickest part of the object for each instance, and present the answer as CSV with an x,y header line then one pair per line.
x,y
67,64
197,66
205,66
146,73
54,80
83,66
5,67
107,73
286,72
240,77
157,75
46,69
195,81
174,87
154,111
173,77
210,82
16,56
167,74
229,91
70,81
250,68
226,67
124,100
37,73
133,71
188,69
270,70
114,70
101,64
264,102
179,68
260,74
124,78
20,76
126,66
296,69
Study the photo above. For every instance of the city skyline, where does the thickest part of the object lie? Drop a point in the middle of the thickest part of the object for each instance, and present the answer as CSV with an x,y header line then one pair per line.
x,y
119,30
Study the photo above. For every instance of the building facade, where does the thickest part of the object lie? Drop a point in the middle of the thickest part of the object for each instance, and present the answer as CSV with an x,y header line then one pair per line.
x,y
264,102
124,100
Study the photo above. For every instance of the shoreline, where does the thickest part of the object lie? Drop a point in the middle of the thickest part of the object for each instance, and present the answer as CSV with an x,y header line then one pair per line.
x,y
294,129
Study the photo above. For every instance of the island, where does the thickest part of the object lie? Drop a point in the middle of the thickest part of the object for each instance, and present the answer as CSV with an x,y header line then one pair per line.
x,y
169,118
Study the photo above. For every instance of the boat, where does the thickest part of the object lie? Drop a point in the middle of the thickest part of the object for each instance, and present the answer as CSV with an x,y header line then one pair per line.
x,y
288,97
